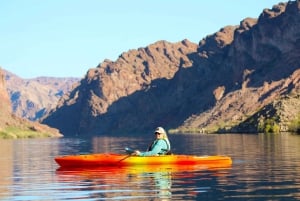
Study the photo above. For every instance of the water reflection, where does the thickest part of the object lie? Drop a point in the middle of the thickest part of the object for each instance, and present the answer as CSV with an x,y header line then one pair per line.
x,y
265,167
25,165
147,182
6,167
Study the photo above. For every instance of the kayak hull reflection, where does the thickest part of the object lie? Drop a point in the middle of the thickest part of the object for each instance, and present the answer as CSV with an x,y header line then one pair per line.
x,y
111,159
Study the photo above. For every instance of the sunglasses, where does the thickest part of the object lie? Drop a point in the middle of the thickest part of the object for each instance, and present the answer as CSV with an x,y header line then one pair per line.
x,y
157,133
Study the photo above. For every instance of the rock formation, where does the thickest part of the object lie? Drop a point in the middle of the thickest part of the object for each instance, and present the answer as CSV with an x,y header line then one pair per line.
x,y
215,85
33,98
12,126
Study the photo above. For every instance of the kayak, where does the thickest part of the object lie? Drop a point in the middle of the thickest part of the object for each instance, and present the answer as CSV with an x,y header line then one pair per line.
x,y
112,160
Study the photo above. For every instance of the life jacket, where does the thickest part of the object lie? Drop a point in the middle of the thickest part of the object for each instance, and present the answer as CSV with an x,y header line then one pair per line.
x,y
163,151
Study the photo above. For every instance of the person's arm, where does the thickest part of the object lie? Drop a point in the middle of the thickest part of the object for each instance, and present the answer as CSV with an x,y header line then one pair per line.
x,y
160,144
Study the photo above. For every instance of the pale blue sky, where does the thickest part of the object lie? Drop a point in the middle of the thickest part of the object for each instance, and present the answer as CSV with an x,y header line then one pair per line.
x,y
64,38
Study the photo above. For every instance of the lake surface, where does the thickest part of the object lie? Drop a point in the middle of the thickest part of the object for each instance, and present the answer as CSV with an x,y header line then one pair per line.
x,y
265,167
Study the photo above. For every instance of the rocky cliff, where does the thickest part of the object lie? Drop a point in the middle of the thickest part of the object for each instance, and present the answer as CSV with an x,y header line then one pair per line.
x,y
212,86
33,98
12,126
5,105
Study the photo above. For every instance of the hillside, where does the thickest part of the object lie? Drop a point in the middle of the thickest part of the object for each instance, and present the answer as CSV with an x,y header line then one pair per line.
x,y
12,126
33,98
213,86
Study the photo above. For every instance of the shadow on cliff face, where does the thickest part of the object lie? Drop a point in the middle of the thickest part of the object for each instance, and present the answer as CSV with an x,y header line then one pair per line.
x,y
166,102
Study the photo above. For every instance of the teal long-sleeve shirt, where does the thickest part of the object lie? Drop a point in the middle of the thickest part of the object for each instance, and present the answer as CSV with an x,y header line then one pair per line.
x,y
158,147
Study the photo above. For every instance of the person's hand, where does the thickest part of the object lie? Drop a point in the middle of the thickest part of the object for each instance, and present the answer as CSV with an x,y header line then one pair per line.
x,y
136,153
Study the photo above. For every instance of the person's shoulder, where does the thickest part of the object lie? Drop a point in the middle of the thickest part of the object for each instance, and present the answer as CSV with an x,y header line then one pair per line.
x,y
162,141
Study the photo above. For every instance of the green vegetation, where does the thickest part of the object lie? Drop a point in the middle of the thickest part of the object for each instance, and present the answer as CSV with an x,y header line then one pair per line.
x,y
269,126
14,133
186,130
219,127
295,125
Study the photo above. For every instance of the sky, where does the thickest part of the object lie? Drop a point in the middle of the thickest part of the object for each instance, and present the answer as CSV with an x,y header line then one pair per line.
x,y
65,38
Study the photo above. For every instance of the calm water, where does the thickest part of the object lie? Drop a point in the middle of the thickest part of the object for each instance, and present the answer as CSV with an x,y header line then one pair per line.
x,y
265,167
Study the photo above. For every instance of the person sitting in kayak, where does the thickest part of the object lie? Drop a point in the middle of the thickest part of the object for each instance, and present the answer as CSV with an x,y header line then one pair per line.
x,y
160,146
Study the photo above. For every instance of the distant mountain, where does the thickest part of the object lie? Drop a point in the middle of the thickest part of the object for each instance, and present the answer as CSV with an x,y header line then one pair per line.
x,y
12,126
217,85
33,98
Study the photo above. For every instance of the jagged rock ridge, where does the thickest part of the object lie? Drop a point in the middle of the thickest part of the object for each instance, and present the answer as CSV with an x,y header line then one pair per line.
x,y
219,83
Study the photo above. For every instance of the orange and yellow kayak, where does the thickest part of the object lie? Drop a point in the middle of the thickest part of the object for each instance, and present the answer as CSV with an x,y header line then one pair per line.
x,y
111,159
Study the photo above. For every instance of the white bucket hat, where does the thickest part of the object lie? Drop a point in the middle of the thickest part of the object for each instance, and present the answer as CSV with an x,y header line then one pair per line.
x,y
160,130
